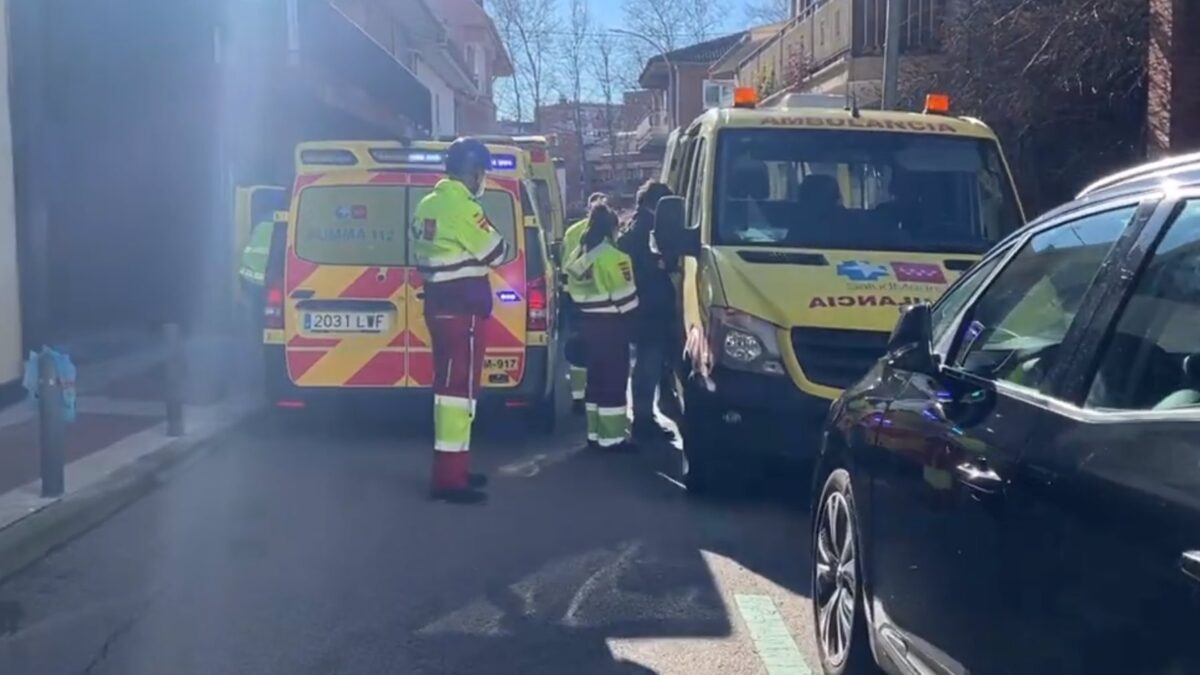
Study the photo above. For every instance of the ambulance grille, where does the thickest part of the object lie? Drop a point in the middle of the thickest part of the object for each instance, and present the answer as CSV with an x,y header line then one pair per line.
x,y
837,358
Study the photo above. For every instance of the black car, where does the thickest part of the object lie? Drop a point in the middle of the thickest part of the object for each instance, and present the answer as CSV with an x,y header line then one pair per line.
x,y
1015,487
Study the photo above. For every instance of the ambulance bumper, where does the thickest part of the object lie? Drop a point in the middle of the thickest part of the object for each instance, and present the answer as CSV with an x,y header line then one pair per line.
x,y
282,392
764,415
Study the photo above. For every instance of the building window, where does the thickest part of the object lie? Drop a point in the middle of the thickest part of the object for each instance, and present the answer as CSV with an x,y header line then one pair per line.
x,y
470,58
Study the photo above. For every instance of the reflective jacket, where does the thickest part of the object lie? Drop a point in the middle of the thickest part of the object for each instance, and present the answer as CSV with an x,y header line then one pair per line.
x,y
605,278
254,256
572,238
454,246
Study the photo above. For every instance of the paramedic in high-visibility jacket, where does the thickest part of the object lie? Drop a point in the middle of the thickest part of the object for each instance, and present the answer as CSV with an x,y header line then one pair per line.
x,y
577,373
607,294
455,246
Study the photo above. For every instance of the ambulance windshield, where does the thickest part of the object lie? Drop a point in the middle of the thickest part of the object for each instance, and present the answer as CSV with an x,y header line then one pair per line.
x,y
368,224
861,190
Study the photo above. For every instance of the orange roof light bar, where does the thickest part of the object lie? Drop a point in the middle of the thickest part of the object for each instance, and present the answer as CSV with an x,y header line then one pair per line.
x,y
745,97
938,104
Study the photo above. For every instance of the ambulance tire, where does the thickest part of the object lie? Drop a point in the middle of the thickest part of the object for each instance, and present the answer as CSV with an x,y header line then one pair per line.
x,y
705,471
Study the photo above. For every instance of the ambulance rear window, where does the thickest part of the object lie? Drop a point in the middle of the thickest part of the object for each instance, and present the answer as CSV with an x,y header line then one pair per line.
x,y
368,224
353,225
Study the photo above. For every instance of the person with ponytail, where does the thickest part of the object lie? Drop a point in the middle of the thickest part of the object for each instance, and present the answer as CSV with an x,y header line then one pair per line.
x,y
607,296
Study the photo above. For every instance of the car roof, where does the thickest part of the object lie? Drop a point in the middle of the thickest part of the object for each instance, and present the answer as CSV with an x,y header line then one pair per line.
x,y
1179,171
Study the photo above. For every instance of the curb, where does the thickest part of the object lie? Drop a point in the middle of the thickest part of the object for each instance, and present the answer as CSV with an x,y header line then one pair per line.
x,y
39,534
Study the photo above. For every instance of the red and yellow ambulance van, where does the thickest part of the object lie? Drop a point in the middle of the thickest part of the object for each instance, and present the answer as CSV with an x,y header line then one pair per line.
x,y
345,301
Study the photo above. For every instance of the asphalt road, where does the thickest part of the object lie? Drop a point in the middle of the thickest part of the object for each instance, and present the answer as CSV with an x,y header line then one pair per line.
x,y
312,549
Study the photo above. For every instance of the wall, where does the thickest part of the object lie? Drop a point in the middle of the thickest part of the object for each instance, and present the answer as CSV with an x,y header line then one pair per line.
x,y
10,302
690,88
441,101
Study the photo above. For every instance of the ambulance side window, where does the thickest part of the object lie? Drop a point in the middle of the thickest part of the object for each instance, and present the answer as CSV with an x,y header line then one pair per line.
x,y
695,210
685,172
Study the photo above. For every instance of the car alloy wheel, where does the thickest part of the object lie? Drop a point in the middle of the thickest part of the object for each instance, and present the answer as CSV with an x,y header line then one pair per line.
x,y
836,587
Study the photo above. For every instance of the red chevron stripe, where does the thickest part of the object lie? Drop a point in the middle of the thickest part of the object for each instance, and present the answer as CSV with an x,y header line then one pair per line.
x,y
499,336
368,286
383,370
306,180
298,270
415,280
424,179
388,178
420,369
299,363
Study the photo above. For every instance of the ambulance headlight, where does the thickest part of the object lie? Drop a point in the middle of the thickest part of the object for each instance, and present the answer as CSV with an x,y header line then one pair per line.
x,y
742,347
745,342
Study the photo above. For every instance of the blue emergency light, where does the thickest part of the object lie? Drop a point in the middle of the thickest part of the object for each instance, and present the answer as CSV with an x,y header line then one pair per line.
x,y
328,157
504,162
508,296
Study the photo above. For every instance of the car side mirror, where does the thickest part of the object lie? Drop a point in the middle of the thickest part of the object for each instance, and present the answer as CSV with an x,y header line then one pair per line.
x,y
674,238
910,346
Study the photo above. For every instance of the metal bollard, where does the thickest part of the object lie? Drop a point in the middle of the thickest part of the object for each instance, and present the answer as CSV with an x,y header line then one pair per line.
x,y
52,426
174,380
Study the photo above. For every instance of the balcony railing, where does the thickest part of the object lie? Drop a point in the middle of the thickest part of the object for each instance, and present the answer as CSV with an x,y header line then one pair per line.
x,y
826,30
654,127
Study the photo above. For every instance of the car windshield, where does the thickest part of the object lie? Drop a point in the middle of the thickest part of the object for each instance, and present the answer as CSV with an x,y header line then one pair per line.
x,y
861,189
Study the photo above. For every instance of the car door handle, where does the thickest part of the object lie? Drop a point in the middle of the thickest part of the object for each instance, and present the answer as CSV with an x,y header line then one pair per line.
x,y
1190,563
302,294
979,478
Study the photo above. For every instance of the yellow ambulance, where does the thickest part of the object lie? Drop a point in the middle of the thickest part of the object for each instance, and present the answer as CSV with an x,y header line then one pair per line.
x,y
797,234
344,298
545,189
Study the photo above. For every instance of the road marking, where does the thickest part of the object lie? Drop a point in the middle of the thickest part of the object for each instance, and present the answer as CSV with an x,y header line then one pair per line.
x,y
772,640
532,466
670,480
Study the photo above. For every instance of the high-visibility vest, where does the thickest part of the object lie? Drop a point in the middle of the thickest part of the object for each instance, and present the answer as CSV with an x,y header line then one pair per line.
x,y
606,280
452,238
254,256
572,239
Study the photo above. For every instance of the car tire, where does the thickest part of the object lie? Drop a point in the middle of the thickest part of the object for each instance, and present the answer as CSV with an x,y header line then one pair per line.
x,y
705,471
839,617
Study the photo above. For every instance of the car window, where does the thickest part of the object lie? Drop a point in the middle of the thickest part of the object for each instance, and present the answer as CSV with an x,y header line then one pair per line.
x,y
1014,331
956,298
1151,361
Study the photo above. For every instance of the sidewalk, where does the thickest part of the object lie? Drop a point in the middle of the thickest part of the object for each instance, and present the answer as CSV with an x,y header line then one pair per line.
x,y
121,420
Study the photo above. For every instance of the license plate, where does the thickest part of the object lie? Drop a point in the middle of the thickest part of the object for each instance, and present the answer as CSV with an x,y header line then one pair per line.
x,y
346,322
502,363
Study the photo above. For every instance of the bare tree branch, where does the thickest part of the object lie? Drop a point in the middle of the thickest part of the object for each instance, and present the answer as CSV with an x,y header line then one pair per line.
x,y
761,12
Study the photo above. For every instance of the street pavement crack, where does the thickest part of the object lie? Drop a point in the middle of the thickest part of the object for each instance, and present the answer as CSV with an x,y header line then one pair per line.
x,y
117,633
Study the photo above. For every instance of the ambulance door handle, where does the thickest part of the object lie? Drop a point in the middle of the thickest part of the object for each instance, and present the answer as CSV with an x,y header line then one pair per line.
x,y
420,295
302,294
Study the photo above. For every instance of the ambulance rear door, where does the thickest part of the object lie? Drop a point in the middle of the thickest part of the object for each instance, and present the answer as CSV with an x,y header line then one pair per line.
x,y
347,281
505,204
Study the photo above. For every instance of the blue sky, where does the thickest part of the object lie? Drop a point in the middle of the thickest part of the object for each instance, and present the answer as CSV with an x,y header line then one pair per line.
x,y
608,12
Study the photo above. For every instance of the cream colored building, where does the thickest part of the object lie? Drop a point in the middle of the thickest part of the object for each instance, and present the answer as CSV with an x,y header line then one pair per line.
x,y
10,294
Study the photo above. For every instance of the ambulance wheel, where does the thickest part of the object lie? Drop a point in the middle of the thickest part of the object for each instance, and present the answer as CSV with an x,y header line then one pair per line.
x,y
705,472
